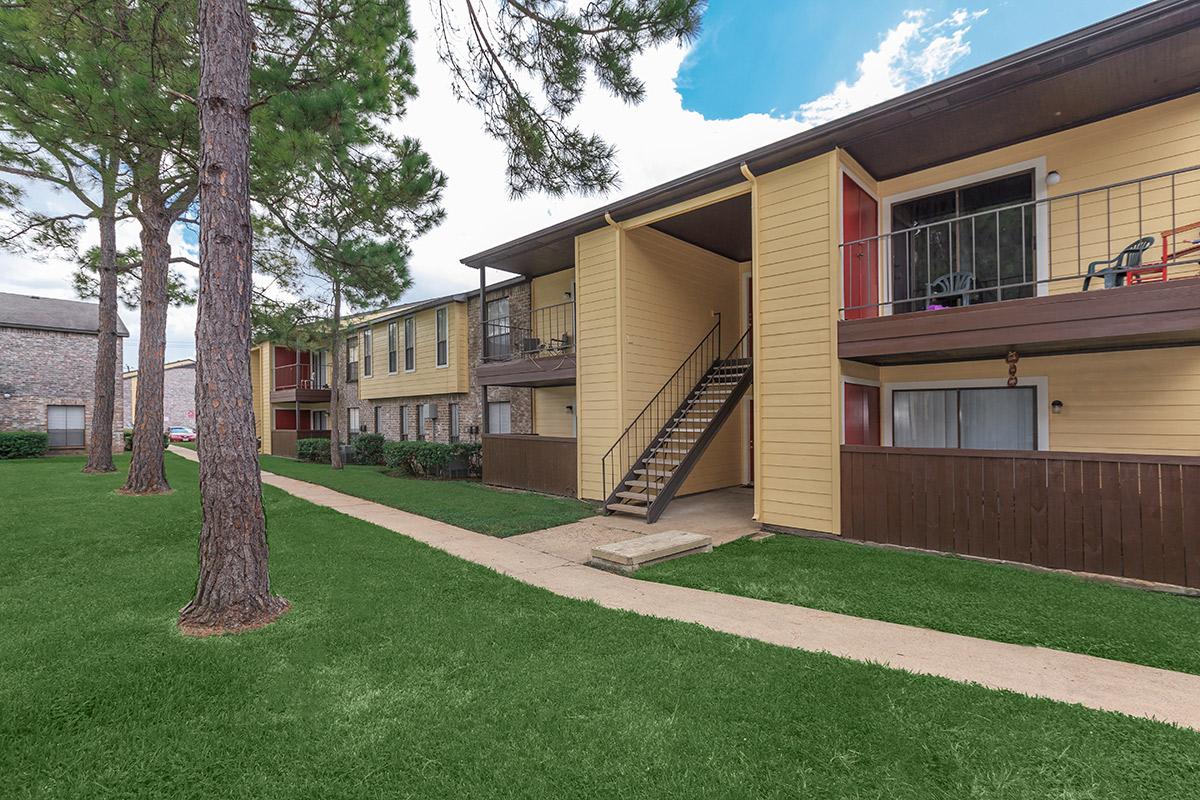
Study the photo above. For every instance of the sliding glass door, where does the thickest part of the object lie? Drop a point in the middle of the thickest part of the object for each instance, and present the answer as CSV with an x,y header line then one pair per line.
x,y
972,233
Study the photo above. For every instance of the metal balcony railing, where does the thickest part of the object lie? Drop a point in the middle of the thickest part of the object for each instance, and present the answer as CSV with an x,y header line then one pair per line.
x,y
302,376
1123,233
548,331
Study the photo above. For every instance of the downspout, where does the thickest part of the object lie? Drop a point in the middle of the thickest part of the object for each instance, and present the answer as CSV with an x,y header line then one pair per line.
x,y
755,342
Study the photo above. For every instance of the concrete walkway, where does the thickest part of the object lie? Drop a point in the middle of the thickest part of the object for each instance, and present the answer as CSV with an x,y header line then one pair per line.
x,y
1068,677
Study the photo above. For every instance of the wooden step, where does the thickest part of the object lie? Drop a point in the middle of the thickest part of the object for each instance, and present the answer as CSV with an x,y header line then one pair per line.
x,y
622,508
656,473
641,497
656,485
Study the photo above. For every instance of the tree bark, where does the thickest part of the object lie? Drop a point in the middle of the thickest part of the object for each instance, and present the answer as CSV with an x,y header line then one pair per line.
x,y
100,448
335,386
147,472
233,592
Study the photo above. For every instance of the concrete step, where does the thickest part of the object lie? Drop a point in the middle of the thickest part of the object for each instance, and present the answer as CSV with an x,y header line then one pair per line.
x,y
626,557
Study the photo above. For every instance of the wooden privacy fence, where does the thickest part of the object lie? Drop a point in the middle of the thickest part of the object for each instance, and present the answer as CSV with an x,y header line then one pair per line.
x,y
1127,515
537,463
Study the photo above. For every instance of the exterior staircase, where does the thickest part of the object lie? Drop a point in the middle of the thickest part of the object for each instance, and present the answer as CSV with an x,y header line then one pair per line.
x,y
674,435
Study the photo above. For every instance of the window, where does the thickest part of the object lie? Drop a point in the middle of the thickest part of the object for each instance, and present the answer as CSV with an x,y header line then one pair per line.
x,y
65,426
421,422
500,417
320,420
410,344
1002,418
499,330
392,335
403,423
351,358
352,425
997,249
375,412
454,431
367,346
443,338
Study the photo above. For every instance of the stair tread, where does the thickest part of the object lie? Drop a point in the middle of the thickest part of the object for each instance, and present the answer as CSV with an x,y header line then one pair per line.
x,y
640,496
627,509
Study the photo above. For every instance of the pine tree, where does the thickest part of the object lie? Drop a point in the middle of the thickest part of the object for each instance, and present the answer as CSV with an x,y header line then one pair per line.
x,y
525,65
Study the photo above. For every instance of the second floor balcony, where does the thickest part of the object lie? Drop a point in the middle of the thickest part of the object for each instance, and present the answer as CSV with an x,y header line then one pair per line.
x,y
534,348
972,274
300,377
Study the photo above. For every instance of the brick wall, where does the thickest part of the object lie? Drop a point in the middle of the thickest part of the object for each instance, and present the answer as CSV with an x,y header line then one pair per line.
x,y
44,368
521,398
438,430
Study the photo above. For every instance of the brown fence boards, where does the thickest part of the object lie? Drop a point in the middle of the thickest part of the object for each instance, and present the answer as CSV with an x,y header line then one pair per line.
x,y
537,463
1117,514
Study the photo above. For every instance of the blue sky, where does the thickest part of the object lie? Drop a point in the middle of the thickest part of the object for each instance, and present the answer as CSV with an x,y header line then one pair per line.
x,y
773,56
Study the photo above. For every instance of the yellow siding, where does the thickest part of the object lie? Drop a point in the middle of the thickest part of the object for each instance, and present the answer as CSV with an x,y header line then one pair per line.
x,y
427,378
671,293
552,289
1140,401
794,365
597,256
551,292
261,362
550,414
1149,141
854,369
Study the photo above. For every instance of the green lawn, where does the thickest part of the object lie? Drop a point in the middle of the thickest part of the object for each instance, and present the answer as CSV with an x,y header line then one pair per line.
x,y
990,601
404,672
467,504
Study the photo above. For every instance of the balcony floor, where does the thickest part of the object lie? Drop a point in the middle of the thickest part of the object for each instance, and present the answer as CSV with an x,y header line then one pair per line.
x,y
1148,315
555,370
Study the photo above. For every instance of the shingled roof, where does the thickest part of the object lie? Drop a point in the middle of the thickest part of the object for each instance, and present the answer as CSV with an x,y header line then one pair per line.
x,y
51,314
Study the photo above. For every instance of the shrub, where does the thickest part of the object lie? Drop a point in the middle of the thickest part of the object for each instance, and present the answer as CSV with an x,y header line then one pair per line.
x,y
23,444
127,435
472,455
433,459
315,450
367,448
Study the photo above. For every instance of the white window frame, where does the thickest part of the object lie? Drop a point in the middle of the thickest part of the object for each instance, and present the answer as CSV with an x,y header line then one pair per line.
x,y
353,421
1041,220
410,342
455,423
1039,382
393,330
493,404
441,320
421,422
404,423
368,346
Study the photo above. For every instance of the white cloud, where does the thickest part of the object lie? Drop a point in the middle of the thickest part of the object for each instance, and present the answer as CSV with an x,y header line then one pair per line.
x,y
913,53
657,141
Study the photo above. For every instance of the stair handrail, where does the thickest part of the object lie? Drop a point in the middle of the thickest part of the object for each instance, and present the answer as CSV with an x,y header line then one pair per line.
x,y
709,345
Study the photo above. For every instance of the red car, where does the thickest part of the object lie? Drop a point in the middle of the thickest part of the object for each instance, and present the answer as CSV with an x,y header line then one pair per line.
x,y
178,433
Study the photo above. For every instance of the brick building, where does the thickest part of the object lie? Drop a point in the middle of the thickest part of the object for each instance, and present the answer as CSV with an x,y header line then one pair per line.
x,y
48,368
179,394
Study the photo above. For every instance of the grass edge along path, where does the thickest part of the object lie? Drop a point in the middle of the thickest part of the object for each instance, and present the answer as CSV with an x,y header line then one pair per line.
x,y
987,601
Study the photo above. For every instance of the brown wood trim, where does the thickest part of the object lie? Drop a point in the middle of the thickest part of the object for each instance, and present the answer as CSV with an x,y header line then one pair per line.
x,y
536,463
544,371
1043,455
1158,314
300,396
1120,514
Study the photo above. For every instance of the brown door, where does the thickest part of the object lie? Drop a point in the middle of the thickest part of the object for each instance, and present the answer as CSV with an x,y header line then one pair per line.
x,y
862,414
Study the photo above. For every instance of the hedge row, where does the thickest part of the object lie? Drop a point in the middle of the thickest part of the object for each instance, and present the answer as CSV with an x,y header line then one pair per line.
x,y
314,450
23,444
434,459
128,436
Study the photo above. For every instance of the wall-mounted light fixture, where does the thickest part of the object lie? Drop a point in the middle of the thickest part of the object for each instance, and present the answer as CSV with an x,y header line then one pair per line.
x,y
570,409
1053,178
1057,406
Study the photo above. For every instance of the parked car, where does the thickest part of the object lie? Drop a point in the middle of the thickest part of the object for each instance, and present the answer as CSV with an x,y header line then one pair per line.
x,y
179,433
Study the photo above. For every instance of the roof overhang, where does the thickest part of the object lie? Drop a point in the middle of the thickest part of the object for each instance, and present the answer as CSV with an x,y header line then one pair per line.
x,y
1145,56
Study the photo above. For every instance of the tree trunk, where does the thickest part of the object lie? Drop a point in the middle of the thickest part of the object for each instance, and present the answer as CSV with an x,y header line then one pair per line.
x,y
335,386
233,592
147,473
100,448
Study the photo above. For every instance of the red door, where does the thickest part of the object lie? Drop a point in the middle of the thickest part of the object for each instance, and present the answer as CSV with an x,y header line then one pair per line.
x,y
862,414
860,262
